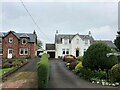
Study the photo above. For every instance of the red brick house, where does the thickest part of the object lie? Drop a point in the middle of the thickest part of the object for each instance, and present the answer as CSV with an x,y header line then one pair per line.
x,y
19,45
1,50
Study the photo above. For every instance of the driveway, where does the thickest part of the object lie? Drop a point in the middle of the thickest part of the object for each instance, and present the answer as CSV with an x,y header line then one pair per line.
x,y
61,77
25,77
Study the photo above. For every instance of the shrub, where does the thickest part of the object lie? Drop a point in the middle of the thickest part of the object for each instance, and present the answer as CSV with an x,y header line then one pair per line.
x,y
70,60
100,74
119,59
43,71
95,57
6,65
115,73
78,67
79,58
72,65
86,73
66,57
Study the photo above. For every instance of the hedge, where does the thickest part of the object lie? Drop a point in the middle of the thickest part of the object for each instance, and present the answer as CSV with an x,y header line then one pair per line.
x,y
43,71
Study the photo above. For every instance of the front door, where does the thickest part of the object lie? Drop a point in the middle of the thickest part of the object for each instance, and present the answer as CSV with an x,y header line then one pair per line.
x,y
10,51
77,52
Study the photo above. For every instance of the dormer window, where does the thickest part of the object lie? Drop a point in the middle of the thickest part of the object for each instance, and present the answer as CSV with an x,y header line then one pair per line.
x,y
24,41
77,41
10,40
66,41
86,42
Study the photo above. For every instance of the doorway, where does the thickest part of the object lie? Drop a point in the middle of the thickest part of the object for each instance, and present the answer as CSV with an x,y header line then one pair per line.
x,y
10,53
77,52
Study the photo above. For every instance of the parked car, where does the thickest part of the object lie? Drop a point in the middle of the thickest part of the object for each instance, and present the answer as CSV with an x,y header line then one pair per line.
x,y
40,54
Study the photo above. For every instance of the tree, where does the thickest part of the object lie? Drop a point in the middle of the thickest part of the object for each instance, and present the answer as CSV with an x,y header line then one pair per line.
x,y
95,57
117,42
39,44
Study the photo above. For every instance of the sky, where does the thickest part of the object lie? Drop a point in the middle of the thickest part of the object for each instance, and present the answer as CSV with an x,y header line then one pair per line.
x,y
68,17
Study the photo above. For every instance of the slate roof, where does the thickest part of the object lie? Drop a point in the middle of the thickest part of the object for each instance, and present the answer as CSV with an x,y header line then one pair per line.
x,y
109,43
58,38
50,46
31,37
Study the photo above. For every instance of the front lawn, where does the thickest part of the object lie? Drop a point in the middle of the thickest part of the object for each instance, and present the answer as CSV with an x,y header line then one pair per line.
x,y
5,70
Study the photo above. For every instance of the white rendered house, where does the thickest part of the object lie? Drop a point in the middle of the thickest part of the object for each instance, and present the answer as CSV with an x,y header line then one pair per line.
x,y
67,44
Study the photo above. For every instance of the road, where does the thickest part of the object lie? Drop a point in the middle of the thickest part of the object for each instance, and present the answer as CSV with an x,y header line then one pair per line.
x,y
61,77
25,77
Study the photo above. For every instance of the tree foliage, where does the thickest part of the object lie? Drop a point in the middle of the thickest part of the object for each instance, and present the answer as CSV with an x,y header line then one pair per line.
x,y
95,57
39,44
117,42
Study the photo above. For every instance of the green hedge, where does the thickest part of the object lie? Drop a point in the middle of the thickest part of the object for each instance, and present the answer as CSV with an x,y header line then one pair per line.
x,y
43,71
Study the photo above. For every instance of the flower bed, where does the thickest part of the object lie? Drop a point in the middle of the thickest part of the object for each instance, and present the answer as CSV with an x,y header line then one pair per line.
x,y
106,77
9,68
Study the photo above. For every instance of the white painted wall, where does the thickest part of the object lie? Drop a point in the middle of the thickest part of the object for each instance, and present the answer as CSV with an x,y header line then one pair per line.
x,y
72,47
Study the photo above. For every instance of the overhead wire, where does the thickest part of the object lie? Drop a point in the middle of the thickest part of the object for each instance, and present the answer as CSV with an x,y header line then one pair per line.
x,y
34,20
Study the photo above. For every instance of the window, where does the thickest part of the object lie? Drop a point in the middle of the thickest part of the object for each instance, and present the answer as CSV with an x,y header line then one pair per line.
x,y
10,40
24,41
26,51
63,51
77,41
23,51
65,41
0,40
67,51
1,51
84,50
86,41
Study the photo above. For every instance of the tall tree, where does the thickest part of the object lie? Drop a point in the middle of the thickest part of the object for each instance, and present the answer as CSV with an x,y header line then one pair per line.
x,y
39,44
117,40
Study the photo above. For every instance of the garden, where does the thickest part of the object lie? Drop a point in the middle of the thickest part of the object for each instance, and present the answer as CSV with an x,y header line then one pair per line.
x,y
95,66
11,65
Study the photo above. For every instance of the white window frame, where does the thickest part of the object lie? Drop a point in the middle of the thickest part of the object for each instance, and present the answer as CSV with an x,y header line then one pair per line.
x,y
65,41
20,51
10,40
67,50
77,41
0,39
25,49
63,50
86,42
1,51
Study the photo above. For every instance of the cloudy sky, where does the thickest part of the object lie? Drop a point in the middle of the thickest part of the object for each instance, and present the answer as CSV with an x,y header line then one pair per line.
x,y
68,17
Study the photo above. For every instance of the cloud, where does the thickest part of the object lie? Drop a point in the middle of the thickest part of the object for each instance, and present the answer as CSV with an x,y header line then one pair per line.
x,y
66,17
107,32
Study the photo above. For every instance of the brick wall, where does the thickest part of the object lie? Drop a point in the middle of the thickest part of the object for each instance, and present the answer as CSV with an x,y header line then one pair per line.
x,y
16,45
7,45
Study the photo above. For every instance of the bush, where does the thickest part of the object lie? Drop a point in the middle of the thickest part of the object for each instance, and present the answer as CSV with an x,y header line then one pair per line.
x,y
72,65
96,58
119,59
79,58
66,57
6,65
115,73
78,67
86,73
43,71
90,74
70,60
